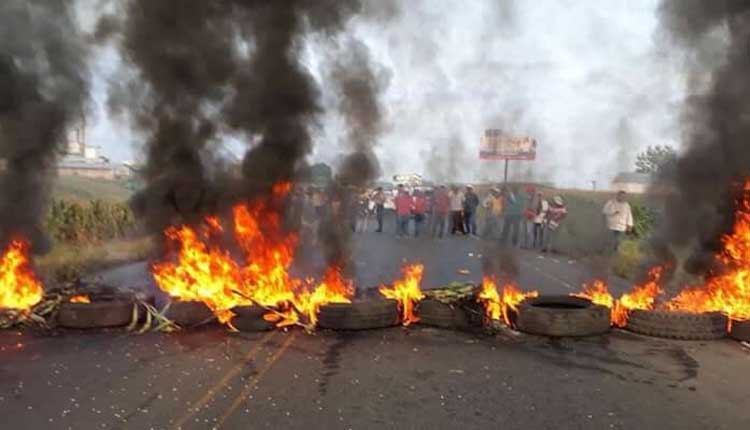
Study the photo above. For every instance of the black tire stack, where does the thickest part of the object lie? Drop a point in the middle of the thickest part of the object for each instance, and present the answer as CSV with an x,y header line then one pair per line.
x,y
740,331
678,325
250,319
102,312
436,313
189,314
562,316
359,315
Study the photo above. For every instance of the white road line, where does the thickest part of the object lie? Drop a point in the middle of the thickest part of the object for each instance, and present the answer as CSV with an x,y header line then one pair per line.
x,y
554,278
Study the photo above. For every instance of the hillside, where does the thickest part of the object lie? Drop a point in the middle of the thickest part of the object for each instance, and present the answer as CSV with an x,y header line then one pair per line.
x,y
84,189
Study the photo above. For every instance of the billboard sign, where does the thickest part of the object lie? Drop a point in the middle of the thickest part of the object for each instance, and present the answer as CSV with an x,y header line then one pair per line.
x,y
496,145
412,179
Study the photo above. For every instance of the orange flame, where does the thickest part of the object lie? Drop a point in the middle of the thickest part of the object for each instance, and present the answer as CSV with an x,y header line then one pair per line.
x,y
598,293
490,298
728,291
497,306
407,292
511,298
208,273
19,286
202,273
333,289
641,297
80,298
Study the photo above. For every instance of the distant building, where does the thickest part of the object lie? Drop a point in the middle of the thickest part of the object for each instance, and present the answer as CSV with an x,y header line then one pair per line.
x,y
630,182
81,159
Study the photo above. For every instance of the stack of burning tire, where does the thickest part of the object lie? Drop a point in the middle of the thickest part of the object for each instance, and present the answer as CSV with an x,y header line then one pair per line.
x,y
359,315
561,316
98,307
678,325
451,307
188,313
740,330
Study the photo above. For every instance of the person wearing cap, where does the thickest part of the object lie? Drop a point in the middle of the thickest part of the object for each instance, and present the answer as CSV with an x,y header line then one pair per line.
x,y
470,204
553,218
619,219
494,207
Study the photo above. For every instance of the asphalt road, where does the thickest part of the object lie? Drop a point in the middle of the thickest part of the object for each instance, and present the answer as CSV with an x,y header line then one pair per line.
x,y
401,378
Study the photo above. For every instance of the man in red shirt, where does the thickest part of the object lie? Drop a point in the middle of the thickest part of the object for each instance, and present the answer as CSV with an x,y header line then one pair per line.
x,y
442,207
404,205
420,211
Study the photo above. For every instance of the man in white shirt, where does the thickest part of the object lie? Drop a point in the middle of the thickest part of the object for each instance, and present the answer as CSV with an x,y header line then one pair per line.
x,y
619,218
457,208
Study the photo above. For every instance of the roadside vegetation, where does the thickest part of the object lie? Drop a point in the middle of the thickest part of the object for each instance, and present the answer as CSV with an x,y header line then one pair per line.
x,y
92,228
584,233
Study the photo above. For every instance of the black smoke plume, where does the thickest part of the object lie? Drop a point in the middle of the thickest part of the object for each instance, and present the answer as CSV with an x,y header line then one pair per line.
x,y
715,126
357,85
203,71
43,89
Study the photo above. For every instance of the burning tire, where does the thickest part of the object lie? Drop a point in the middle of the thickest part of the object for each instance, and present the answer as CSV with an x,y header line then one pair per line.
x,y
740,330
678,325
359,315
106,312
439,314
562,316
189,314
250,318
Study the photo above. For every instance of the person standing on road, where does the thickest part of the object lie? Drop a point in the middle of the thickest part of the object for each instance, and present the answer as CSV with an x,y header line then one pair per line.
x,y
619,219
441,208
527,222
420,211
363,211
555,216
378,198
470,204
493,205
457,206
514,204
541,206
404,205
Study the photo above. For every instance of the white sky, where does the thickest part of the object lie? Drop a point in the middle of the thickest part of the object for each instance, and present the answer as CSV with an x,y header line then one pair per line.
x,y
568,72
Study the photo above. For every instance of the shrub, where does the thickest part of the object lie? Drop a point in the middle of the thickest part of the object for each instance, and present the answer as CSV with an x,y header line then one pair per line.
x,y
99,220
628,260
644,220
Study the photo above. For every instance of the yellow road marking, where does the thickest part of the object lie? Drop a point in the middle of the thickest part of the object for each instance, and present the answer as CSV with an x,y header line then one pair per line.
x,y
251,385
231,373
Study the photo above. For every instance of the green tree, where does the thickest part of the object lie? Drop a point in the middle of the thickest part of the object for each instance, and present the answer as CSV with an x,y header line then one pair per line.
x,y
654,159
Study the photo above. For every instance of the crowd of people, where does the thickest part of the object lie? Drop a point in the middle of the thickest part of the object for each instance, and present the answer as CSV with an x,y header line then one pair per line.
x,y
516,216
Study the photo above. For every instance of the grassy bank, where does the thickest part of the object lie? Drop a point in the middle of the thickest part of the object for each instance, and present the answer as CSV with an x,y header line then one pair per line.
x,y
584,233
70,261
80,189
